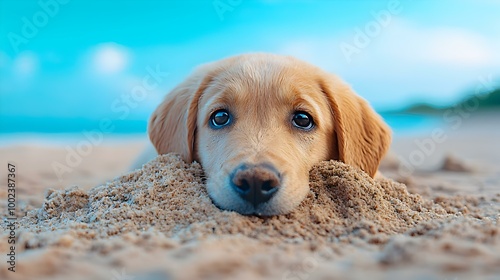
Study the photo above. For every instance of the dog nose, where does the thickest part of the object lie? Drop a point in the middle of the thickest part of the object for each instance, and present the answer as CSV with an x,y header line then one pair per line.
x,y
257,183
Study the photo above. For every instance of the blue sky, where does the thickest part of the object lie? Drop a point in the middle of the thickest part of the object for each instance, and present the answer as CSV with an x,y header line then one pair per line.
x,y
79,59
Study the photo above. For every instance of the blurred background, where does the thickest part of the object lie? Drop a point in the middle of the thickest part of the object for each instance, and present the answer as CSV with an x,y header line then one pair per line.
x,y
67,65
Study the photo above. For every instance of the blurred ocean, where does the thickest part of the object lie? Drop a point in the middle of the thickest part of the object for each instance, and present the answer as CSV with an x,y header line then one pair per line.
x,y
401,124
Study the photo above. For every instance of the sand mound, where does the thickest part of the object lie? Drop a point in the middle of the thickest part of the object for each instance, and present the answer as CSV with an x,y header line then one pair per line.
x,y
164,206
169,195
452,163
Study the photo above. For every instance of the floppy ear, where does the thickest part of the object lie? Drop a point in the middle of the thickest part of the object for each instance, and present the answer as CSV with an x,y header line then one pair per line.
x,y
172,127
363,137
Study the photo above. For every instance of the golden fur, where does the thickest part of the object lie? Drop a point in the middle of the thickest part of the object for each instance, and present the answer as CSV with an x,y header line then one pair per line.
x,y
262,91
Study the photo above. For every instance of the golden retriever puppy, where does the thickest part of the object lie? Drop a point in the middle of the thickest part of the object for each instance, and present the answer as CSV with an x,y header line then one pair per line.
x,y
257,123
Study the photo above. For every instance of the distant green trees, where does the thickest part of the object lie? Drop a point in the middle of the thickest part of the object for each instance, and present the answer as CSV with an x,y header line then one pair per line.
x,y
489,100
485,101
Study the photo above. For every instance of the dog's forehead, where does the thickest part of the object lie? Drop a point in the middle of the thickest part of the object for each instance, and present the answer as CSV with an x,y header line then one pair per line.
x,y
265,72
257,80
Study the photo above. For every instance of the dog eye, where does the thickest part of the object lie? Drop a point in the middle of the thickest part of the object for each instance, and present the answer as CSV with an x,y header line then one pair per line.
x,y
220,118
302,120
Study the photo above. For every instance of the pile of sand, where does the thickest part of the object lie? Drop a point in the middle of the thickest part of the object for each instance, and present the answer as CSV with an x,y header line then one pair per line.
x,y
159,222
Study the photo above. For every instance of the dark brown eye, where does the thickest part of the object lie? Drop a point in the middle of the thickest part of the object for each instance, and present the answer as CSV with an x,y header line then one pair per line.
x,y
220,119
302,120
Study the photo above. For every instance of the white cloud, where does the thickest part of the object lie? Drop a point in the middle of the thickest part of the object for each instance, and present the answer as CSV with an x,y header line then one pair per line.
x,y
442,46
406,62
25,64
402,43
459,48
110,58
436,64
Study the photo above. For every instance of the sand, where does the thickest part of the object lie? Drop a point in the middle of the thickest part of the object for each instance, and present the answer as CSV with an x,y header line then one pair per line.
x,y
158,222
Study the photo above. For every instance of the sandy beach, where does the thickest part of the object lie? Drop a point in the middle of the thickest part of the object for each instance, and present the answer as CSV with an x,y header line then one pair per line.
x,y
82,214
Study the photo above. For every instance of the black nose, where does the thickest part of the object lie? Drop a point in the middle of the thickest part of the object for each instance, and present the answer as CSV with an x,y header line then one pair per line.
x,y
256,183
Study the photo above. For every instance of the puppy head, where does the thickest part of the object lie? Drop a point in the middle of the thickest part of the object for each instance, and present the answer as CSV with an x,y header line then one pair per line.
x,y
258,123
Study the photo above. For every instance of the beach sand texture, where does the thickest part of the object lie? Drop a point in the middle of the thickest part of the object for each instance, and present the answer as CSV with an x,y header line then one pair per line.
x,y
158,222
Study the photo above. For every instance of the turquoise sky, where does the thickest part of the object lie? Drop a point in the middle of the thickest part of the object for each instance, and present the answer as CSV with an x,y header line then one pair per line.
x,y
82,59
